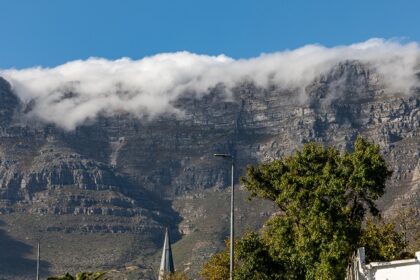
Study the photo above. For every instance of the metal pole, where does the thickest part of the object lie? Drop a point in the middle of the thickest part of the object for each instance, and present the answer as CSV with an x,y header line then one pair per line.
x,y
232,218
37,262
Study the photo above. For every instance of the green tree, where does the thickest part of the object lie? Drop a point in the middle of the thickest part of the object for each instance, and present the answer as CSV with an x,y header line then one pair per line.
x,y
382,242
217,268
323,196
252,261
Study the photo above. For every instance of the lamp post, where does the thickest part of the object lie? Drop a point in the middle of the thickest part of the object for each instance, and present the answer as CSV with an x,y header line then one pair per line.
x,y
37,261
232,232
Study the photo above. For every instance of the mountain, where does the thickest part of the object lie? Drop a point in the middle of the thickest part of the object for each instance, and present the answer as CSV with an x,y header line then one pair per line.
x,y
100,196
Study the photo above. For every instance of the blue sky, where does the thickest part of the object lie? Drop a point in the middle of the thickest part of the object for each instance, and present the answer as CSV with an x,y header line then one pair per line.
x,y
51,32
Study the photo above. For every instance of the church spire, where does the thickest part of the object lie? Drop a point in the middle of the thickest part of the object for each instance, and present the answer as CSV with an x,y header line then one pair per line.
x,y
167,262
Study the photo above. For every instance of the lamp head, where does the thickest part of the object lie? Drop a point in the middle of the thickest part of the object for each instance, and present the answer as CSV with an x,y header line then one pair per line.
x,y
223,155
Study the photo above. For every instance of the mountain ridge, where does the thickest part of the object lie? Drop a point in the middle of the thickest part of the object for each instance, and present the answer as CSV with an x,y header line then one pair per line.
x,y
124,178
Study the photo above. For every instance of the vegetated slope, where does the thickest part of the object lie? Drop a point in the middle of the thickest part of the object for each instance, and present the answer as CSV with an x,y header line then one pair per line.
x,y
100,196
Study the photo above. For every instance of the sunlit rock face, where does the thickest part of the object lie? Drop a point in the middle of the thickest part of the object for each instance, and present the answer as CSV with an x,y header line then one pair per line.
x,y
116,176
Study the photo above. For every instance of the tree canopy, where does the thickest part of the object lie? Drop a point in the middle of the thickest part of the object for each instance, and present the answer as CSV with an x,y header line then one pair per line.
x,y
323,197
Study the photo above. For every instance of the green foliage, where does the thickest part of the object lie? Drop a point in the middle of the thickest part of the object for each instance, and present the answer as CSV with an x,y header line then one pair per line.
x,y
254,261
382,242
81,276
67,276
217,268
323,196
323,179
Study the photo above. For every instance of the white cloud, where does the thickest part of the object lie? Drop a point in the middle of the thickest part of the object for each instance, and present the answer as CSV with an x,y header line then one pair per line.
x,y
149,85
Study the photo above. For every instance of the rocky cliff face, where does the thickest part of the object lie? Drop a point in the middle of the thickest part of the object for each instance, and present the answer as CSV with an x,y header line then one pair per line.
x,y
113,181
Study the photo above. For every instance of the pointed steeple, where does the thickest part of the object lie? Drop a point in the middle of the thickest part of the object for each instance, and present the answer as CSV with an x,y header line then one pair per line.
x,y
167,262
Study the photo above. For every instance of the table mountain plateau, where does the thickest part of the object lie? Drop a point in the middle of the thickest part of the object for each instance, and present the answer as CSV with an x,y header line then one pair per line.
x,y
100,196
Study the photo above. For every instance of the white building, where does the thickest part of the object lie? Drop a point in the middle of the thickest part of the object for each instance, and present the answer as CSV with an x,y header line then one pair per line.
x,y
393,270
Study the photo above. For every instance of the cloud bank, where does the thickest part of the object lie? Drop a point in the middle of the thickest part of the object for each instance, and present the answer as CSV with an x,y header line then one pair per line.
x,y
73,93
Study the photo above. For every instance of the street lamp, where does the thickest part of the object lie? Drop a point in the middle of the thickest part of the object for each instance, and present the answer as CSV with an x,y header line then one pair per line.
x,y
232,238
